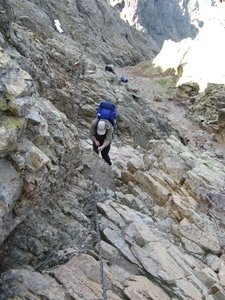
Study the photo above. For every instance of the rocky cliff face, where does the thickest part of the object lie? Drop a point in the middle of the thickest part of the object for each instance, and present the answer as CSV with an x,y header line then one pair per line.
x,y
161,20
159,209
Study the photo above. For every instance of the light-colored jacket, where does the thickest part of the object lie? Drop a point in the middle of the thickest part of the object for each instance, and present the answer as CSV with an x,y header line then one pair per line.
x,y
109,132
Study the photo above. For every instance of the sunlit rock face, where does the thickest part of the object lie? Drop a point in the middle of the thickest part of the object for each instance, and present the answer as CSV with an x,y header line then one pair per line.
x,y
198,60
159,19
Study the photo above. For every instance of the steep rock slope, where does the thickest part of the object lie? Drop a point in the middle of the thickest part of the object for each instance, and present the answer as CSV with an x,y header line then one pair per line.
x,y
160,207
161,20
89,26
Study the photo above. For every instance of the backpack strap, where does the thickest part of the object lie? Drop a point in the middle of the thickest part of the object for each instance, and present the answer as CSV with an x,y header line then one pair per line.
x,y
96,126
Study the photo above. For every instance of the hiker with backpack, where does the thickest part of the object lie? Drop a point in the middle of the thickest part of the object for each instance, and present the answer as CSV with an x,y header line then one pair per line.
x,y
80,68
101,132
102,127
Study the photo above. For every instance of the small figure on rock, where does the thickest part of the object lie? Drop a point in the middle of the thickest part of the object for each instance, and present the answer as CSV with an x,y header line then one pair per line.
x,y
123,79
184,141
80,67
109,69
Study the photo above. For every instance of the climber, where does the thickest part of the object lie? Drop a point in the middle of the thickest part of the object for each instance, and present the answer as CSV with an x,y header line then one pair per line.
x,y
101,132
80,68
109,69
183,140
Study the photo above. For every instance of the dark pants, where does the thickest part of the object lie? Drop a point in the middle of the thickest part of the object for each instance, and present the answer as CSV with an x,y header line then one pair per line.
x,y
104,153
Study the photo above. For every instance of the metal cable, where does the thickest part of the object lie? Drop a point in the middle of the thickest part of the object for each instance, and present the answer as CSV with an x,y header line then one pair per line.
x,y
102,274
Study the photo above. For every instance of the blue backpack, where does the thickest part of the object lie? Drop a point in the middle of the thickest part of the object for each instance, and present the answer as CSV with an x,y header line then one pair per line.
x,y
107,110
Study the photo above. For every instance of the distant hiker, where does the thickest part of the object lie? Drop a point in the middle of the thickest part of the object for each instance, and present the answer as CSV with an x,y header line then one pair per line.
x,y
101,132
184,141
80,68
123,79
109,69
